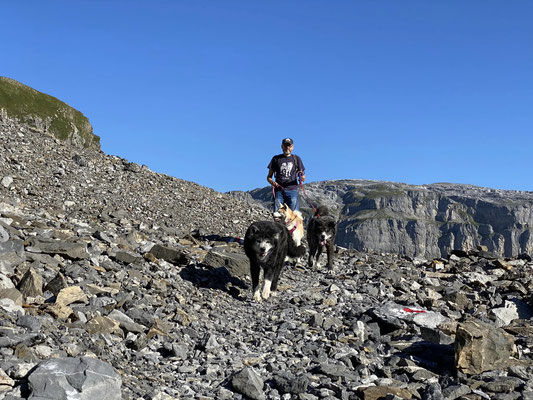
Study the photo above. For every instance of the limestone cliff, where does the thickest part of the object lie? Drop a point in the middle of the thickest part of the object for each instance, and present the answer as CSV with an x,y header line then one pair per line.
x,y
426,220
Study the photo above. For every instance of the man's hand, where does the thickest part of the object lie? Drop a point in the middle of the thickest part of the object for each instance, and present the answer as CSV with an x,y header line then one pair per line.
x,y
302,178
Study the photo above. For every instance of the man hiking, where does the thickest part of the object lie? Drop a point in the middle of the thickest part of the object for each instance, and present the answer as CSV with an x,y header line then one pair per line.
x,y
283,172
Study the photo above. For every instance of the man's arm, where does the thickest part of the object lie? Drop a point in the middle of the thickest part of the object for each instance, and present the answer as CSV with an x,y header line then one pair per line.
x,y
301,169
269,177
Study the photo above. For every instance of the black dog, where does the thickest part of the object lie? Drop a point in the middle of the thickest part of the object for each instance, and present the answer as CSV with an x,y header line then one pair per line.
x,y
266,244
321,232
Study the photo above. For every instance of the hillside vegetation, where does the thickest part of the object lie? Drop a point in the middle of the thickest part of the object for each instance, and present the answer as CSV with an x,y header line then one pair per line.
x,y
46,113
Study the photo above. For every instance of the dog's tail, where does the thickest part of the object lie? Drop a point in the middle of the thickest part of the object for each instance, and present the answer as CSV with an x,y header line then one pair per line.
x,y
321,211
292,249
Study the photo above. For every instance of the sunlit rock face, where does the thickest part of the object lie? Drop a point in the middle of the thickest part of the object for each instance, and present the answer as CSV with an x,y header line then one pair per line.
x,y
421,220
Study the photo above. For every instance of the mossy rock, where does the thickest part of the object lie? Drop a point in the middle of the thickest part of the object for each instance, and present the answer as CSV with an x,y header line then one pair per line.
x,y
46,113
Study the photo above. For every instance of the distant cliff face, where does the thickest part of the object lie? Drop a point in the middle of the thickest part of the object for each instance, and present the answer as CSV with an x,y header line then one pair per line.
x,y
46,114
426,221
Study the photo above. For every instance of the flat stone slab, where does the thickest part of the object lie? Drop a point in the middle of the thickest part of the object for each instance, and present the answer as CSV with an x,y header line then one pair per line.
x,y
80,378
73,250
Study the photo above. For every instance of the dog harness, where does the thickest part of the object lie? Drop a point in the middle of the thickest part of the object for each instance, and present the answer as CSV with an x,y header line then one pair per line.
x,y
294,227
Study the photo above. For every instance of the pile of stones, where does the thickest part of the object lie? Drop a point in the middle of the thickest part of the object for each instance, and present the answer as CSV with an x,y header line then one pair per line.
x,y
120,283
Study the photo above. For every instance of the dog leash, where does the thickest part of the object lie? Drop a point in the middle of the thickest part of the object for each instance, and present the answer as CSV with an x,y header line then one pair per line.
x,y
304,193
274,194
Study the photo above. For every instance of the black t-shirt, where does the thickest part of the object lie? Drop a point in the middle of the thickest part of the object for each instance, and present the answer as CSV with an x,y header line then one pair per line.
x,y
286,170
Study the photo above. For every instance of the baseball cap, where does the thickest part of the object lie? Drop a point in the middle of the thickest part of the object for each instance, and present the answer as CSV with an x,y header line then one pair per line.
x,y
287,141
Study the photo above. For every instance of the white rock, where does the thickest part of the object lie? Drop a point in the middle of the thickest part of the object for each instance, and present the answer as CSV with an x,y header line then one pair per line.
x,y
7,181
10,306
506,314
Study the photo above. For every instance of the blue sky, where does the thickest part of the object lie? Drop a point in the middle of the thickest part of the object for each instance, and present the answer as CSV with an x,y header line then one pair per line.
x,y
410,91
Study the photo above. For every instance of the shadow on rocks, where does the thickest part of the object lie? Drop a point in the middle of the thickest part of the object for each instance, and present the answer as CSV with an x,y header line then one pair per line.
x,y
214,278
437,358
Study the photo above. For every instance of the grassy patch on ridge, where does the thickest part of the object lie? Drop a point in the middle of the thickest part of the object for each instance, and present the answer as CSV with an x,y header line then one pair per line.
x,y
26,104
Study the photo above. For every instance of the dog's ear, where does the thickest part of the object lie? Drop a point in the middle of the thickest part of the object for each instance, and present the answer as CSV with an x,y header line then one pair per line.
x,y
331,224
254,228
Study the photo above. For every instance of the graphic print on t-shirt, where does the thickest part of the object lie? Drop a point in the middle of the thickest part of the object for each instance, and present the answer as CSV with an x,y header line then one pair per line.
x,y
285,169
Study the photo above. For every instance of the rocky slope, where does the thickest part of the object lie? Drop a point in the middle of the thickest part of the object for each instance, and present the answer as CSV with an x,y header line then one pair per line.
x,y
426,220
46,114
120,283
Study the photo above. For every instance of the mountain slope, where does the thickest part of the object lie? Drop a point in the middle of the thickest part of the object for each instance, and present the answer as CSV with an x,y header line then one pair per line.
x,y
119,283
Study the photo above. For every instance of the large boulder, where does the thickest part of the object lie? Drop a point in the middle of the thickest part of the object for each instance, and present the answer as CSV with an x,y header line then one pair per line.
x,y
481,347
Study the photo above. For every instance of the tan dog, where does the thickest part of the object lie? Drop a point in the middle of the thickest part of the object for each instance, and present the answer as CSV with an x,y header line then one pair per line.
x,y
293,220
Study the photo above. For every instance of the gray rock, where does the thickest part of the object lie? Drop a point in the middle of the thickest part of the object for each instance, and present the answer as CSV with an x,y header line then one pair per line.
x,y
12,246
73,250
392,312
4,235
12,294
80,378
104,237
15,339
453,392
132,167
56,284
126,257
31,284
30,322
249,383
287,382
126,323
79,160
433,392
10,260
237,264
502,384
169,254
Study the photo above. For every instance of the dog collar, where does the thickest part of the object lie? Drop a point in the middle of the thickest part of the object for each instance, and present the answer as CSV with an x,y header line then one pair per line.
x,y
294,227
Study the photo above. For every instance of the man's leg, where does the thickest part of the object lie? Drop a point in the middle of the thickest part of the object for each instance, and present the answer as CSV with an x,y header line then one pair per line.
x,y
278,200
291,198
